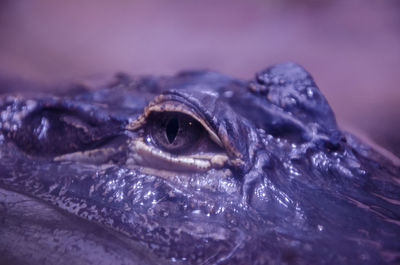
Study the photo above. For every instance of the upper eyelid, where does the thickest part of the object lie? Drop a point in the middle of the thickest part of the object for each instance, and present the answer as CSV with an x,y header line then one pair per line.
x,y
170,108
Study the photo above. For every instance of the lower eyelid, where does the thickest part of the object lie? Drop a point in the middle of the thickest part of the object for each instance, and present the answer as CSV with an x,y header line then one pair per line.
x,y
151,156
157,157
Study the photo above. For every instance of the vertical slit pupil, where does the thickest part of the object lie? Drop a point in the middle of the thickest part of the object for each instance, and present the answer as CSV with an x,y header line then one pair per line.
x,y
172,129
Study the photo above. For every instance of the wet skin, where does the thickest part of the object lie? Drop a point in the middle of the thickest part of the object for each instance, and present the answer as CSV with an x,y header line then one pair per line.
x,y
198,168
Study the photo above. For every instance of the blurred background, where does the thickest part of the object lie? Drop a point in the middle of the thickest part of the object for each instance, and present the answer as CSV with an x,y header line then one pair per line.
x,y
351,47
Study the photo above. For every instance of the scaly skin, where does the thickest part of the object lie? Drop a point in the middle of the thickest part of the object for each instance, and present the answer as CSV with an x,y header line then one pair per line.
x,y
197,168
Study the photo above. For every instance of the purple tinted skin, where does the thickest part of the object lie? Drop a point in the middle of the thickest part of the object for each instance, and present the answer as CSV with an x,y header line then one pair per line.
x,y
303,191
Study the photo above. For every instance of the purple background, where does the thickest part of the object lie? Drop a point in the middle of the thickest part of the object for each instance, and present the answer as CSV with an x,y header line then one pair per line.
x,y
351,47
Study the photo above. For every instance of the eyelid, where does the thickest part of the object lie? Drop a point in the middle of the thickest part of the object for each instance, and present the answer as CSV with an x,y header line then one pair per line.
x,y
180,162
172,106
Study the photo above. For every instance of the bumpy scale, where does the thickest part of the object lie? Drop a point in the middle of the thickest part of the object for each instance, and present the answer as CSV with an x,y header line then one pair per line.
x,y
198,168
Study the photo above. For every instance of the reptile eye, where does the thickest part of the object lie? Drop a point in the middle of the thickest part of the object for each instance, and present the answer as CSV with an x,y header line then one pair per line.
x,y
174,137
175,132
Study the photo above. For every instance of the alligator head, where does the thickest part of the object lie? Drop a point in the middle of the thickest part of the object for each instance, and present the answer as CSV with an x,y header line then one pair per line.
x,y
198,168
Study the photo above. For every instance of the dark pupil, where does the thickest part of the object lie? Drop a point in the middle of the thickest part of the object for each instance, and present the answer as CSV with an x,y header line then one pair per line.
x,y
172,129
